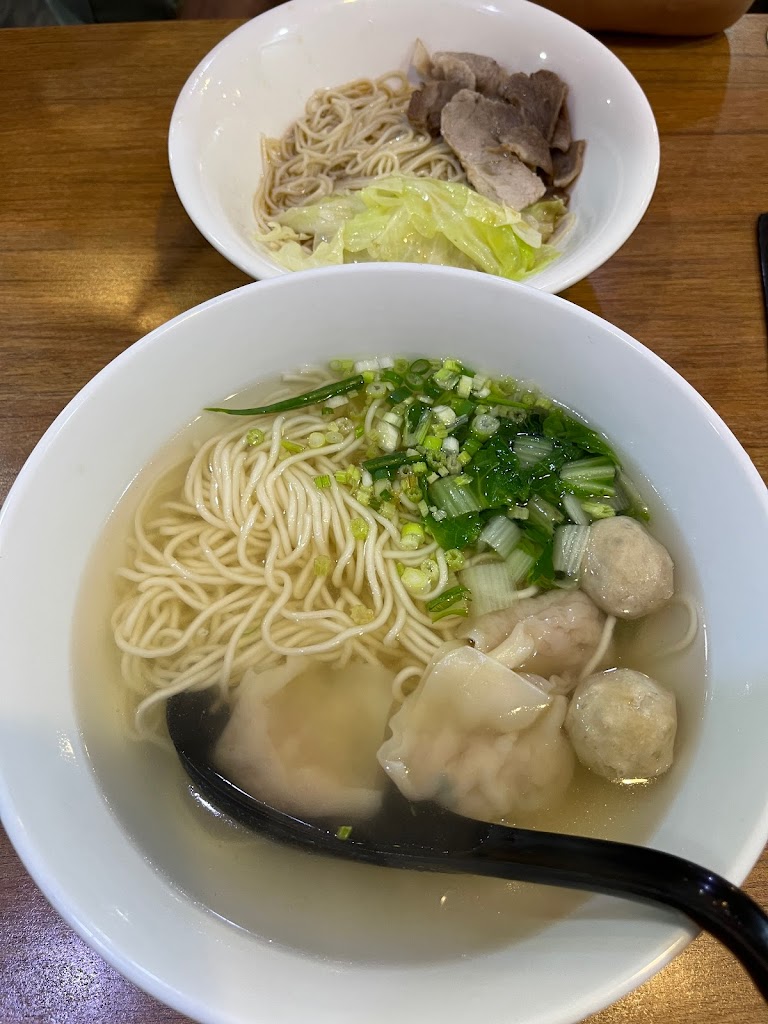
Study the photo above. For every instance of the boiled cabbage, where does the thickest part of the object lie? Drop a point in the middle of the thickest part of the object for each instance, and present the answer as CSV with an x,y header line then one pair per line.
x,y
416,220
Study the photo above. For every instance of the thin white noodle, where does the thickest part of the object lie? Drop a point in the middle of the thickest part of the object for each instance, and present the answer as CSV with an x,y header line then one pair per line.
x,y
398,693
223,575
602,648
693,627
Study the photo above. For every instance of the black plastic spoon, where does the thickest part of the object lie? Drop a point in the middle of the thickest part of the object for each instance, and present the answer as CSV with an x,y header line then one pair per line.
x,y
425,837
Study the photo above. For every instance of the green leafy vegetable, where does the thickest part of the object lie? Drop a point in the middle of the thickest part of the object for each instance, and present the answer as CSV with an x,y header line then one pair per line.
x,y
454,601
455,533
560,425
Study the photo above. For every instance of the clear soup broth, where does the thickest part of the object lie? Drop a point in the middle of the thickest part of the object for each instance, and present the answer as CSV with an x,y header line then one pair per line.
x,y
320,906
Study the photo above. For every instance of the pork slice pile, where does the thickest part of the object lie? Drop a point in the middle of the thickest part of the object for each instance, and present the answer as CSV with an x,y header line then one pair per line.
x,y
511,132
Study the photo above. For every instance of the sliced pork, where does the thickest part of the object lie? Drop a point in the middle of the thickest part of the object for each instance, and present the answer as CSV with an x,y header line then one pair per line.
x,y
487,136
511,131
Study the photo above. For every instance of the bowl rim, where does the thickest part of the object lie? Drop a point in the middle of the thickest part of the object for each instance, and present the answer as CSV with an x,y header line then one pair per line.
x,y
36,859
259,267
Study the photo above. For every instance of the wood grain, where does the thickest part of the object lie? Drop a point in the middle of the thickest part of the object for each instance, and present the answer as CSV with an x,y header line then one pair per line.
x,y
95,250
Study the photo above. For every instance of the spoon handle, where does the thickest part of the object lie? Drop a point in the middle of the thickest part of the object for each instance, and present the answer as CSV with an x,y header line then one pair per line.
x,y
597,865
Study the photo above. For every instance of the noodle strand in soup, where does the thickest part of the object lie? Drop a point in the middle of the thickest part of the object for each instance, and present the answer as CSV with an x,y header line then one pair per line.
x,y
251,561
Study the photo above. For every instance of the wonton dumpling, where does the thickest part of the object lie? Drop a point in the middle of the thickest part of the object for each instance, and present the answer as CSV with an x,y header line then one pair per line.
x,y
479,739
303,738
553,634
625,570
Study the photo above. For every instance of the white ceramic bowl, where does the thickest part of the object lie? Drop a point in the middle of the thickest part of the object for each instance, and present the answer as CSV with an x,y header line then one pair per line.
x,y
106,829
257,81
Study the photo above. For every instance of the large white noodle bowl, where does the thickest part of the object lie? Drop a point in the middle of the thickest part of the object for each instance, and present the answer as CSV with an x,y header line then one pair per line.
x,y
51,800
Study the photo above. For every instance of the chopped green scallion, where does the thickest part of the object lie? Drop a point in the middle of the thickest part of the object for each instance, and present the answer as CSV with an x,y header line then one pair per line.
x,y
391,377
323,565
254,437
484,426
431,569
454,559
292,447
447,379
361,615
345,366
399,395
359,528
420,366
464,387
453,365
344,425
416,581
411,536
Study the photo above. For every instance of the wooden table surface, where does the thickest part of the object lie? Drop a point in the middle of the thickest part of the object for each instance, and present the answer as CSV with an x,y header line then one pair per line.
x,y
95,250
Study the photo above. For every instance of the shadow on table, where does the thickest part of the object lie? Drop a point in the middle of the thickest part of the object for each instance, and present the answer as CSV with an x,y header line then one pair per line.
x,y
187,270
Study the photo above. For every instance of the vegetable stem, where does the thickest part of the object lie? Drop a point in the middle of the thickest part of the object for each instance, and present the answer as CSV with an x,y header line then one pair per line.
x,y
338,387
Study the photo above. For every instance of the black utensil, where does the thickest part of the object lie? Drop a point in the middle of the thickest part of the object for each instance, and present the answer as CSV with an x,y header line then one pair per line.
x,y
762,249
425,837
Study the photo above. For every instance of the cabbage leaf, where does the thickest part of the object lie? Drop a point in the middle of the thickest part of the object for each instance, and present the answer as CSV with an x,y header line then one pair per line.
x,y
416,220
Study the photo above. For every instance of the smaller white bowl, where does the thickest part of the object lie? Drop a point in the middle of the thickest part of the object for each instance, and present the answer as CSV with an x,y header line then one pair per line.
x,y
258,80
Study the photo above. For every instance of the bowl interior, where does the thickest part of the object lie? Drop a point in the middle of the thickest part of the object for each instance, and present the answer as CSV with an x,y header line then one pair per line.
x,y
67,772
257,81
